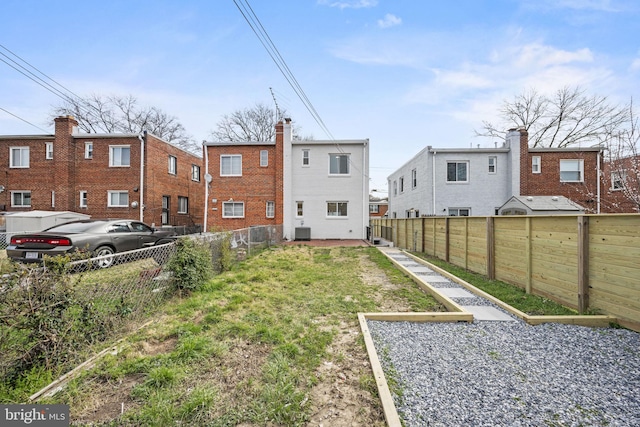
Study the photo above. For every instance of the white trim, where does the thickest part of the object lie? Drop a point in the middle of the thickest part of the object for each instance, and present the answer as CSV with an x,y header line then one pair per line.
x,y
110,192
111,156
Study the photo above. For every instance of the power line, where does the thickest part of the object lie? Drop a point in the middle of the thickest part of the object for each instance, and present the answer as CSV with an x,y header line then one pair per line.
x,y
20,118
257,27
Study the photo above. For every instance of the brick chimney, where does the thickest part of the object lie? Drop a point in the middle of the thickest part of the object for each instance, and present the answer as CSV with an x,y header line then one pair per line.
x,y
64,158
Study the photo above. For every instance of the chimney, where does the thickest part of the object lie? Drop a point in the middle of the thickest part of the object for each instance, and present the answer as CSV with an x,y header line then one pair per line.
x,y
64,156
65,126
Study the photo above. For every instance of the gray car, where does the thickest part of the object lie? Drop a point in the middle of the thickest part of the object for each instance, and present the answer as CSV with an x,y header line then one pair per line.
x,y
100,237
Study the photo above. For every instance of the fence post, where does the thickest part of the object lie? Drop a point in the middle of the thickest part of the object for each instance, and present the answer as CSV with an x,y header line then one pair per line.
x,y
528,254
583,263
446,239
491,263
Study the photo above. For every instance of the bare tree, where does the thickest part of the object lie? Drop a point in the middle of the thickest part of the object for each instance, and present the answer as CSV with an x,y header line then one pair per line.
x,y
622,167
109,114
257,123
569,117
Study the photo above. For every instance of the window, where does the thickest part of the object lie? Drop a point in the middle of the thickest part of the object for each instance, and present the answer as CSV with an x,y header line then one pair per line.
x,y
231,165
493,164
414,178
233,210
195,173
457,171
119,156
305,157
395,188
53,199
19,157
338,164
299,209
337,209
374,208
118,199
48,150
88,150
402,184
618,179
173,165
183,205
459,211
21,199
83,199
571,170
271,209
535,164
264,158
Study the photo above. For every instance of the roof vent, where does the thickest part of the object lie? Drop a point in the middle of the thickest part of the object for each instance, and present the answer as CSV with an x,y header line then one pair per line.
x,y
554,198
529,198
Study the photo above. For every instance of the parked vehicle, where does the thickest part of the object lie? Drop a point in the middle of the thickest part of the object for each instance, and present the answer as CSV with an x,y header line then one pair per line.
x,y
99,237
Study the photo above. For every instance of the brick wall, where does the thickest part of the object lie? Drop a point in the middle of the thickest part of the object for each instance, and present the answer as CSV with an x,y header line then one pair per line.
x,y
69,173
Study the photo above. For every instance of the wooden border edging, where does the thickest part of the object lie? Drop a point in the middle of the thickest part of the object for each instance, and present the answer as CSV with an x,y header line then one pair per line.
x,y
580,320
388,407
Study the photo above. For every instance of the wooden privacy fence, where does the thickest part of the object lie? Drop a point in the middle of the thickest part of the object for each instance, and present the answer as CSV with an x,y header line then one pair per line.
x,y
587,262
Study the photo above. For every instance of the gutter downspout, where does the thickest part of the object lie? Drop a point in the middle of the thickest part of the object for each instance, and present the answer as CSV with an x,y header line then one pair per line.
x,y
598,190
365,189
142,158
206,186
433,182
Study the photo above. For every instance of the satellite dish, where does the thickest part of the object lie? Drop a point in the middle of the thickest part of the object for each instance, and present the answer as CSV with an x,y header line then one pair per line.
x,y
207,177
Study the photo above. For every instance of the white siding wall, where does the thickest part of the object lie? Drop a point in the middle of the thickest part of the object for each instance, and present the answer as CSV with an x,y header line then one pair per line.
x,y
314,186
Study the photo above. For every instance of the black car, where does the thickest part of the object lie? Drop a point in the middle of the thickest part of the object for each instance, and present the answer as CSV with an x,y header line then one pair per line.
x,y
100,237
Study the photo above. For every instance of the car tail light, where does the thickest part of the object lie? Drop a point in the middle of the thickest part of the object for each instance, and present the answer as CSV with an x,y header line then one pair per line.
x,y
53,241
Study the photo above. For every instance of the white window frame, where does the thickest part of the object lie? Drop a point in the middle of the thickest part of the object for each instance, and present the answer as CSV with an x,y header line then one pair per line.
x,y
270,209
414,178
306,157
231,158
493,165
111,193
401,184
195,173
373,208
83,198
618,179
335,164
24,157
458,162
536,164
118,162
22,194
580,171
183,205
334,209
88,150
173,165
48,150
53,199
456,211
395,187
299,209
264,158
233,209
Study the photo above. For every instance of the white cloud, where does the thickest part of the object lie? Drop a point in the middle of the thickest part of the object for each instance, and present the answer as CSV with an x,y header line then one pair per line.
x,y
349,4
539,55
389,20
584,5
635,65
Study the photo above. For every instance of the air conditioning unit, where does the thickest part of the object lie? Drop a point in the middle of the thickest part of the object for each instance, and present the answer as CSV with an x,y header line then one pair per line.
x,y
303,233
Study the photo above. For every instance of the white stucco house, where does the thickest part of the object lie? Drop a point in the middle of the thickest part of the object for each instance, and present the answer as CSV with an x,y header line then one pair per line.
x,y
328,189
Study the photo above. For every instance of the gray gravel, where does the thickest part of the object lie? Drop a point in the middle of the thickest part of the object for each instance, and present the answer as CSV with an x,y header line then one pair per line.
x,y
511,373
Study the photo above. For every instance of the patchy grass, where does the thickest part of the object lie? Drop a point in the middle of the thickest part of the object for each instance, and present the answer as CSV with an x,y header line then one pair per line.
x,y
510,294
246,348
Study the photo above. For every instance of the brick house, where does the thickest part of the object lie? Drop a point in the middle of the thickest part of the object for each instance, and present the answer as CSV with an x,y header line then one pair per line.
x,y
477,181
321,186
102,175
621,184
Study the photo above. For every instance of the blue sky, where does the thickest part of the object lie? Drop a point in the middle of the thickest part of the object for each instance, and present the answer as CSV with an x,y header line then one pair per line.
x,y
403,73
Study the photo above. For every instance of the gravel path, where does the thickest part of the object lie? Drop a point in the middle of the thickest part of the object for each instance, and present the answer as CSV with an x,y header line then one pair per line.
x,y
511,374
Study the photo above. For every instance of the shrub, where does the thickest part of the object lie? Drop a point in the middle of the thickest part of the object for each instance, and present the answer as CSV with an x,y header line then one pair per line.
x,y
190,265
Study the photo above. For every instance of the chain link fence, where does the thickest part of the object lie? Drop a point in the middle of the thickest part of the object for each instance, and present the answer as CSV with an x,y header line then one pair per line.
x,y
53,313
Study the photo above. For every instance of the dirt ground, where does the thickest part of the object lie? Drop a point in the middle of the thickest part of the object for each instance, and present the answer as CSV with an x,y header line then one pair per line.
x,y
339,399
346,393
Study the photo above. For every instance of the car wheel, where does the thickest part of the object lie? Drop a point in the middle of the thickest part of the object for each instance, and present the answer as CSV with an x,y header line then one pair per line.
x,y
103,251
